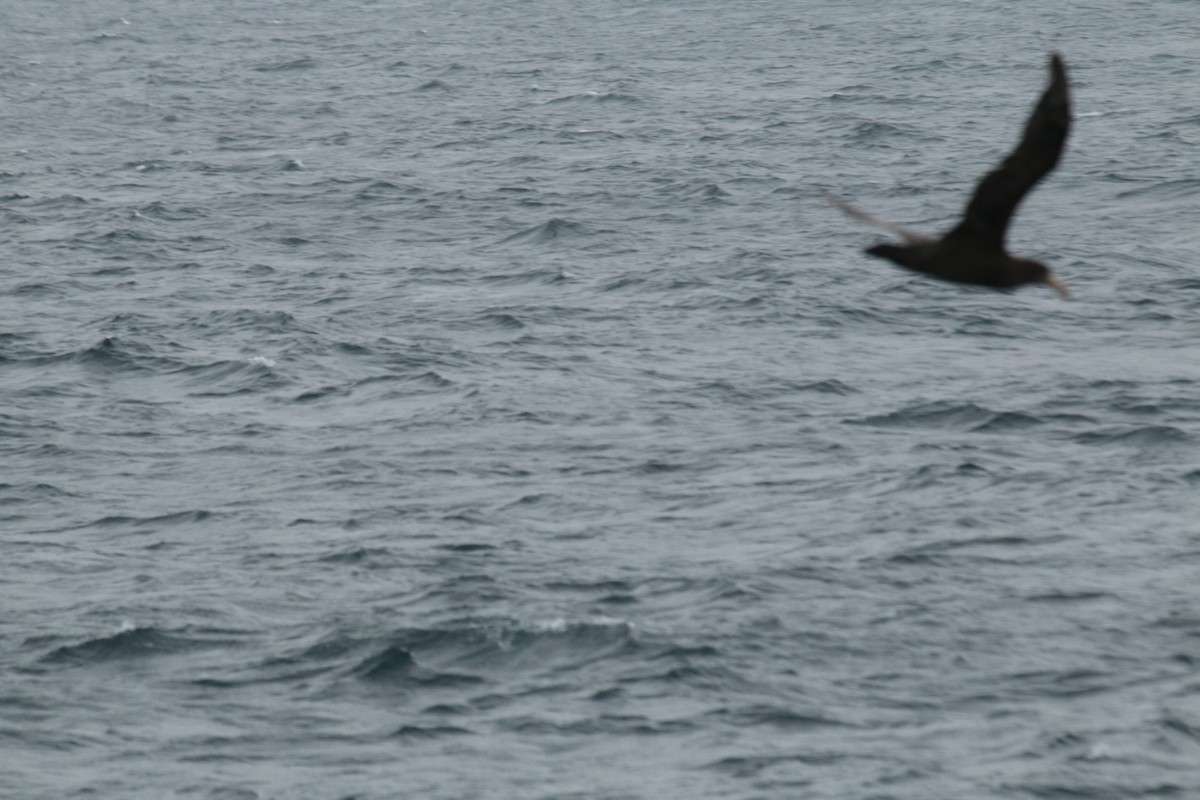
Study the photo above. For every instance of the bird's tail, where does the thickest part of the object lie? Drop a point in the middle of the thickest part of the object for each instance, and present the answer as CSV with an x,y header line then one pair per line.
x,y
909,236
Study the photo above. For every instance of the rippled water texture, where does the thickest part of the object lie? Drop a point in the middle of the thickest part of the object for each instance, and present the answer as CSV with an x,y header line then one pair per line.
x,y
468,400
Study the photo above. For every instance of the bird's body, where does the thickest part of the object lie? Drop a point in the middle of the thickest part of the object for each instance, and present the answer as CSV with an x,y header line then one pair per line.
x,y
958,261
973,251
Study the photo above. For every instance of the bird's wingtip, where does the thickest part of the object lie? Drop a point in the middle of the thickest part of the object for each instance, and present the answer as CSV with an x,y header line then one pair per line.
x,y
1057,65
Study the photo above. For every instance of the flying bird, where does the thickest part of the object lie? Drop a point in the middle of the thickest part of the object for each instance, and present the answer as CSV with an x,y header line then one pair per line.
x,y
973,251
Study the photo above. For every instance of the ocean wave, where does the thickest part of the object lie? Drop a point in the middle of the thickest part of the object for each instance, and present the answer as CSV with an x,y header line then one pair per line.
x,y
553,230
1153,436
116,354
152,521
130,643
226,378
594,97
950,415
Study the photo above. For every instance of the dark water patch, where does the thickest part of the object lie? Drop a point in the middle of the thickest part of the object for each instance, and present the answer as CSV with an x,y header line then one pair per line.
x,y
1174,722
1108,790
177,518
395,667
554,230
113,354
587,98
617,599
1145,407
331,648
1063,597
448,709
128,322
685,652
131,644
1008,421
260,321
855,91
434,85
12,217
831,386
1185,620
624,282
658,466
611,694
752,766
112,271
784,719
1155,316
38,289
387,665
287,65
113,519
1146,436
470,517
428,733
950,552
468,547
589,587
699,678
1058,683
463,653
387,191
155,522
500,320
323,393
945,415
169,213
357,556
354,349
62,202
602,725
15,494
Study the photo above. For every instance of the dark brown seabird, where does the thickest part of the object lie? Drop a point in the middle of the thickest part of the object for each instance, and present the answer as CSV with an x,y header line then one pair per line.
x,y
973,251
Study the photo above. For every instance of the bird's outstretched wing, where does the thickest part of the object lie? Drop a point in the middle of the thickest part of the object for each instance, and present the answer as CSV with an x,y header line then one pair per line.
x,y
909,236
1000,192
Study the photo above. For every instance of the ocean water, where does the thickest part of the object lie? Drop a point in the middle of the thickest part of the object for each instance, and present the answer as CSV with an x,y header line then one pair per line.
x,y
478,400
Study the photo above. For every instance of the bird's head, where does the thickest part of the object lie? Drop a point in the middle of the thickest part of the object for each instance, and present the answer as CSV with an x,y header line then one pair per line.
x,y
1025,270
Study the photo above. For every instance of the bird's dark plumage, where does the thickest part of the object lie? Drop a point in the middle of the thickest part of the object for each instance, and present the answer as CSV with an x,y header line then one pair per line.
x,y
973,251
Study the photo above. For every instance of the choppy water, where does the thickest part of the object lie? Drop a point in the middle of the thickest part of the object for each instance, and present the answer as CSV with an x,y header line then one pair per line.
x,y
464,400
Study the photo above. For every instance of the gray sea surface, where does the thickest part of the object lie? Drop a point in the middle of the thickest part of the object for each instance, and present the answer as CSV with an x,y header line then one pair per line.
x,y
479,400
